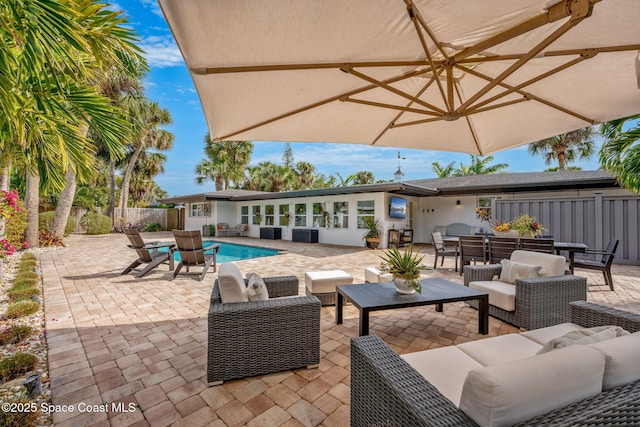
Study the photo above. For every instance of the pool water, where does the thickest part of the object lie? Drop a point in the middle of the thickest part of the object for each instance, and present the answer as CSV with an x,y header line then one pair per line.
x,y
233,252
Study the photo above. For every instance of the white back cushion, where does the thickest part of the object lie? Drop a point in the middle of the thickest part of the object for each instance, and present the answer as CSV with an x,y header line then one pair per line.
x,y
232,286
622,356
506,394
552,265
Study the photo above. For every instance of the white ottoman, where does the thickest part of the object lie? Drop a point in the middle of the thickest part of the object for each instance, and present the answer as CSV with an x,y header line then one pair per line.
x,y
322,284
373,275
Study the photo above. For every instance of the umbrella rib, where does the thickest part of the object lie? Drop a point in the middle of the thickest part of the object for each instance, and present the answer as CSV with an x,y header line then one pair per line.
x,y
413,14
391,124
566,8
534,97
299,67
390,106
347,68
474,135
527,83
518,64
318,104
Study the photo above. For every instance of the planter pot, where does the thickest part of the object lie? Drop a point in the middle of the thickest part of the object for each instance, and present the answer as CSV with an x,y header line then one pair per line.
x,y
402,287
510,233
372,243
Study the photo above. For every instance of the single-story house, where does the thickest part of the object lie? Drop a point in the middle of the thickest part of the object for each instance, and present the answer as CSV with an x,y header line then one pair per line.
x,y
574,206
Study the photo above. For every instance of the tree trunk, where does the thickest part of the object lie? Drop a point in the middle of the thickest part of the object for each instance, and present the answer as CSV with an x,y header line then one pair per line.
x,y
112,190
561,161
124,190
5,176
31,201
65,202
219,183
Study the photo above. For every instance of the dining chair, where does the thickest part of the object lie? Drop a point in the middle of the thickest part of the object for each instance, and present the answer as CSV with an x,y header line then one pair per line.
x,y
472,248
537,245
442,251
603,264
501,248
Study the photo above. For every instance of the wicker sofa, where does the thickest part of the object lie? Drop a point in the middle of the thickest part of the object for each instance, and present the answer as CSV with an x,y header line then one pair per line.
x,y
259,337
539,301
386,390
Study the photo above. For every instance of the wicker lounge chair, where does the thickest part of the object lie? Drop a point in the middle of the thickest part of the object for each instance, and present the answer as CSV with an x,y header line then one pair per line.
x,y
386,390
193,254
259,337
148,253
539,301
223,229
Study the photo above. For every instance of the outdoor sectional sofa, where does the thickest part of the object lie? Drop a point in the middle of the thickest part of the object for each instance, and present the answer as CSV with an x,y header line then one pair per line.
x,y
387,390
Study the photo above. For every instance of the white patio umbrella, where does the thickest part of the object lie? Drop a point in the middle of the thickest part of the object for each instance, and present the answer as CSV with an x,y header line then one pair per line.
x,y
455,75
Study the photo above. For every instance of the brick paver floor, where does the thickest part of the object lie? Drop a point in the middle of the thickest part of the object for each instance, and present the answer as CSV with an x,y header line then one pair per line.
x,y
138,346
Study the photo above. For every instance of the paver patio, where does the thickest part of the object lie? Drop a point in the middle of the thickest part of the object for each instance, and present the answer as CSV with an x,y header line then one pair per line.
x,y
141,343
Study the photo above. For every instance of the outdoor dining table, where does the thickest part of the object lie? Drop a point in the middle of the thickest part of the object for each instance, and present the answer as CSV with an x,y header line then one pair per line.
x,y
571,247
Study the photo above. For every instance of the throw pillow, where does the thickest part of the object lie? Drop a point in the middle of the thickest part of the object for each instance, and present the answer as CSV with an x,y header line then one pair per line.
x,y
256,288
584,336
516,270
232,287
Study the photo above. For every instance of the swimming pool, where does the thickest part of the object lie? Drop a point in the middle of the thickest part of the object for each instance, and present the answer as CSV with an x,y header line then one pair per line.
x,y
234,252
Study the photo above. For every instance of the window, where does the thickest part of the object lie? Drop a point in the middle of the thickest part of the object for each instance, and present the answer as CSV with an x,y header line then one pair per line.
x,y
341,214
283,210
257,217
269,214
483,211
200,210
244,214
366,209
319,219
300,215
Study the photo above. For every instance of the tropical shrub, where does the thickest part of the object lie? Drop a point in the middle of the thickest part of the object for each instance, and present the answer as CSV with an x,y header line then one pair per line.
x,y
48,238
153,226
13,211
12,367
25,282
96,223
22,294
45,221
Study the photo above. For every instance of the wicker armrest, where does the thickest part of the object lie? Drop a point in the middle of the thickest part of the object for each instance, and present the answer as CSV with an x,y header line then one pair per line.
x,y
589,314
476,273
282,286
385,390
544,301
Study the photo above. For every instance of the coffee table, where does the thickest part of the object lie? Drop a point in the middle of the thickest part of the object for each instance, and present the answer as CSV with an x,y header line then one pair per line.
x,y
383,296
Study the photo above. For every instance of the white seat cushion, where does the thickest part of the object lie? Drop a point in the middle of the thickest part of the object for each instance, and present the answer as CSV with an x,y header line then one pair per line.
x,y
373,275
544,335
621,360
321,282
500,349
444,367
232,286
501,294
552,265
514,392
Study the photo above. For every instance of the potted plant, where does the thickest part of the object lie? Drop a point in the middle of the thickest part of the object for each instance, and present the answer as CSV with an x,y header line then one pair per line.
x,y
373,232
527,226
405,268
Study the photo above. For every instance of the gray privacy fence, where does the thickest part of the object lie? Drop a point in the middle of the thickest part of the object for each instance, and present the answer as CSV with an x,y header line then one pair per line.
x,y
135,216
593,220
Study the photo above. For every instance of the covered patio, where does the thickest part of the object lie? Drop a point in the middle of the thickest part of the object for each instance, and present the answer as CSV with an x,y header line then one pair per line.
x,y
143,341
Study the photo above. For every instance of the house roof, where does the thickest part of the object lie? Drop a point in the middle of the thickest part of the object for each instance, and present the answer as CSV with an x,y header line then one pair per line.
x,y
458,185
520,182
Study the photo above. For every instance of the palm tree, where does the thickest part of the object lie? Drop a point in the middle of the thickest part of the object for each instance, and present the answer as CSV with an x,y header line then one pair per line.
x,y
443,171
620,152
363,177
565,148
225,163
479,166
50,51
306,173
142,187
146,118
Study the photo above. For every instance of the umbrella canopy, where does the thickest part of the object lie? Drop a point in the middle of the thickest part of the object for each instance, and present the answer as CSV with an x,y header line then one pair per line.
x,y
455,75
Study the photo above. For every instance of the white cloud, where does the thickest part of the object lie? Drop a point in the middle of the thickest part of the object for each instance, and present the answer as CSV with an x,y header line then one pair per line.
x,y
161,51
154,6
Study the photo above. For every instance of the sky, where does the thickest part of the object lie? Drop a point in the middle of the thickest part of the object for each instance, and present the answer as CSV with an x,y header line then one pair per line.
x,y
169,83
